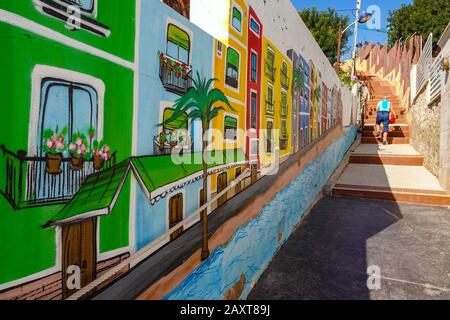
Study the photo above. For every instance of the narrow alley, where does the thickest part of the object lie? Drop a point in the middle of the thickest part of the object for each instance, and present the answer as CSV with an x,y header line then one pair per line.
x,y
399,226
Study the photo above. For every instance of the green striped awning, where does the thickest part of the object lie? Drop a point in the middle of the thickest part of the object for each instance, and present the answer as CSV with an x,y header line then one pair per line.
x,y
233,57
99,193
230,122
175,124
178,36
96,196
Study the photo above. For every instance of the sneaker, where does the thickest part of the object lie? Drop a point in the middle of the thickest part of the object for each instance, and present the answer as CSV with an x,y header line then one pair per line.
x,y
385,143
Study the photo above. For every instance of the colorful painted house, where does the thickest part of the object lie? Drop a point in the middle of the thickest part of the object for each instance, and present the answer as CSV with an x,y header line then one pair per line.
x,y
276,88
305,110
254,94
324,110
68,73
230,29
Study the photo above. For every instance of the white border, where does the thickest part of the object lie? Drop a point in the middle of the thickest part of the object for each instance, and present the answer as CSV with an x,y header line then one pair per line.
x,y
42,71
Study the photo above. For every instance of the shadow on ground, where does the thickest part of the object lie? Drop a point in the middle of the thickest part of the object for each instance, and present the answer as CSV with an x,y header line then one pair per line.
x,y
328,256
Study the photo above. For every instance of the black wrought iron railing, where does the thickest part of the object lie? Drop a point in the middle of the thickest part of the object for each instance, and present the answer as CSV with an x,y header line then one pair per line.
x,y
27,181
173,78
165,148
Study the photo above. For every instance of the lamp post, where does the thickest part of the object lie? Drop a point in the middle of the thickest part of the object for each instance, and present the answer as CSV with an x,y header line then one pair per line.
x,y
363,18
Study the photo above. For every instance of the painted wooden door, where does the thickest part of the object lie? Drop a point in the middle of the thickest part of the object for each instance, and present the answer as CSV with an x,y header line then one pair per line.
x,y
254,173
176,214
222,183
238,186
79,248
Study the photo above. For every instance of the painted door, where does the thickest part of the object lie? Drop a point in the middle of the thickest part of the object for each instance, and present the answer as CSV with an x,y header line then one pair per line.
x,y
238,186
79,248
222,183
254,173
176,214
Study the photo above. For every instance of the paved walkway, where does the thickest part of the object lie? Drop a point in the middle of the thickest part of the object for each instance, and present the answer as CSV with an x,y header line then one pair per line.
x,y
328,256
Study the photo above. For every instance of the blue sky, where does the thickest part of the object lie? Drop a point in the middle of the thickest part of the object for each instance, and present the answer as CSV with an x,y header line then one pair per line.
x,y
363,35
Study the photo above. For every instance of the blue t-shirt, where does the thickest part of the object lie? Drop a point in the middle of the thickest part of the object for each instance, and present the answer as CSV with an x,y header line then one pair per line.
x,y
384,105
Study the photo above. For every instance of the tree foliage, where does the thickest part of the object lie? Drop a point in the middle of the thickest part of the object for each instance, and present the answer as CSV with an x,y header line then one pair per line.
x,y
324,27
420,17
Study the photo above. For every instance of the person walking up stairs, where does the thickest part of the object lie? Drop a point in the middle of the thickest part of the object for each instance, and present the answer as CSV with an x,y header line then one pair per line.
x,y
391,171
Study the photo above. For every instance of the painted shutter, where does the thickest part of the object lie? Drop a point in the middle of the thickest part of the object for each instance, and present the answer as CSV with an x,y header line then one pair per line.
x,y
178,37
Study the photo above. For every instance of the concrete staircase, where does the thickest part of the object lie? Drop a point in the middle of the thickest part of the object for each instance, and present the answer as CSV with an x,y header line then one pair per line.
x,y
394,172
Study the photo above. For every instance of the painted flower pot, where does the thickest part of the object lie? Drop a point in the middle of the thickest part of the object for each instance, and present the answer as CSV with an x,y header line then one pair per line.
x,y
76,163
53,162
99,162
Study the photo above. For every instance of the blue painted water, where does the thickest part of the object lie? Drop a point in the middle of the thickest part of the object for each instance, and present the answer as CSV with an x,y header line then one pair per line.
x,y
255,244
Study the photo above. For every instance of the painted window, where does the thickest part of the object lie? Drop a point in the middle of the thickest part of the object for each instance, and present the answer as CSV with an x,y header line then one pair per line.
x,y
284,134
270,64
179,123
254,108
219,48
254,67
284,104
67,104
269,136
269,100
284,75
178,44
236,21
84,5
255,26
230,130
232,74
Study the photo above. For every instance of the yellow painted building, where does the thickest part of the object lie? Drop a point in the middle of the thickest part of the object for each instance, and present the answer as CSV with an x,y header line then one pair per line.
x,y
230,68
276,104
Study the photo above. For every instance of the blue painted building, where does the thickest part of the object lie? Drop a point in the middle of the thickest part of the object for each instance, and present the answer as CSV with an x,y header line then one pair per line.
x,y
304,125
171,51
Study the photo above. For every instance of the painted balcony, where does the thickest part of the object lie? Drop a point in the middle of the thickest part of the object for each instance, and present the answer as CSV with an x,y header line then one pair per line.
x,y
269,106
28,182
270,71
162,148
174,77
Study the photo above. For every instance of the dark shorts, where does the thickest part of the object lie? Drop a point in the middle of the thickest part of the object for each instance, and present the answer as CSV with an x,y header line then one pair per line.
x,y
383,118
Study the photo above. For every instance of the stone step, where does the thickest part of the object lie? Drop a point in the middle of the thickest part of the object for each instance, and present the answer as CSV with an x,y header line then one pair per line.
x,y
391,133
395,127
398,195
391,140
402,183
399,160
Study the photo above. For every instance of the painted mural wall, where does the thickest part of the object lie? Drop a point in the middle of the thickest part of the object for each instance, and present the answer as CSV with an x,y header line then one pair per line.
x,y
90,121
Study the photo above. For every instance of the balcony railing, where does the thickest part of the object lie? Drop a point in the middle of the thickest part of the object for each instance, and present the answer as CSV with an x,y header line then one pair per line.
x,y
166,148
172,76
285,80
27,182
270,71
269,106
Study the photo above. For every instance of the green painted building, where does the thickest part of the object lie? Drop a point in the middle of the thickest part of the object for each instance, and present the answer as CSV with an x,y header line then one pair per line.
x,y
65,63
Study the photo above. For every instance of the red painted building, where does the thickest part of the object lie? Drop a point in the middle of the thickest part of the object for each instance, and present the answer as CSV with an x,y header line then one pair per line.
x,y
254,78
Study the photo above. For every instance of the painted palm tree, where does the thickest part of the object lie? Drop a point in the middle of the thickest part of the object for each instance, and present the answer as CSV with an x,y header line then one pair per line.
x,y
298,79
200,103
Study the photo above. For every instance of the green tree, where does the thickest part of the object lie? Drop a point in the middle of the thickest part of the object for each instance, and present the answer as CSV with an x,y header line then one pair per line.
x,y
199,102
324,27
421,17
